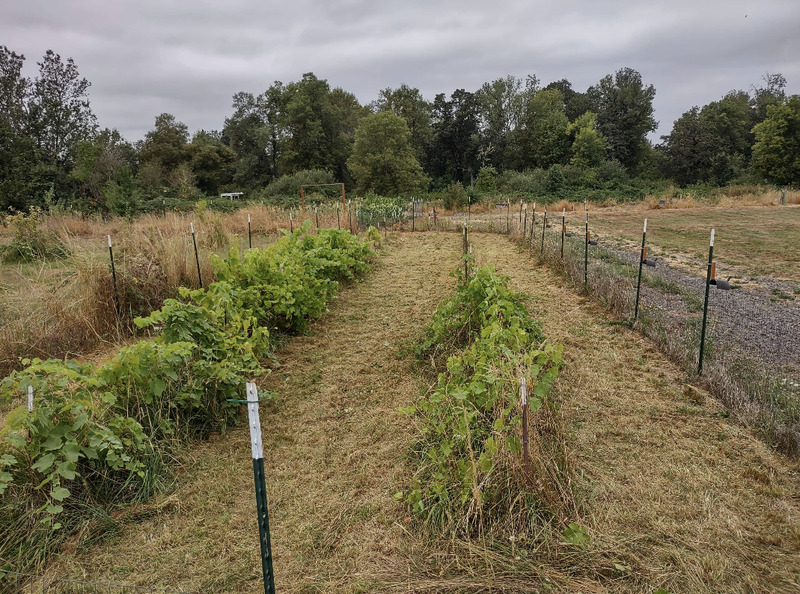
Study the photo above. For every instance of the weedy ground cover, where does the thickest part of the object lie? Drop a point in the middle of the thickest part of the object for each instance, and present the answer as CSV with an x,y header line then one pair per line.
x,y
671,493
470,478
107,434
64,307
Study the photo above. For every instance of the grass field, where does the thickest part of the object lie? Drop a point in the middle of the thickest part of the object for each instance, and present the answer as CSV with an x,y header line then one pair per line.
x,y
673,494
755,240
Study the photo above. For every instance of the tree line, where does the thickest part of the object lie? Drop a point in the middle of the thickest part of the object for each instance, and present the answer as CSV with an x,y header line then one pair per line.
x,y
512,131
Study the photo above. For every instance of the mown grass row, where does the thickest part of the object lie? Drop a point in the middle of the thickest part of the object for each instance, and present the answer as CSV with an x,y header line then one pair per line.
x,y
101,435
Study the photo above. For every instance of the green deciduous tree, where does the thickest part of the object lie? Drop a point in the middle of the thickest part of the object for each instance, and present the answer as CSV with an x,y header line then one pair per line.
x,y
317,126
166,144
589,147
59,115
383,160
407,102
211,161
252,134
502,106
105,158
686,152
575,103
544,138
776,153
624,107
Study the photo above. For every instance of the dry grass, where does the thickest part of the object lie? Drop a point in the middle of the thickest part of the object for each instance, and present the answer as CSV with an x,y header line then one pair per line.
x,y
674,495
687,500
66,308
756,241
335,446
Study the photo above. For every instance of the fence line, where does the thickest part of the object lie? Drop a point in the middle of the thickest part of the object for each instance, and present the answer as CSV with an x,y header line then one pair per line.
x,y
751,358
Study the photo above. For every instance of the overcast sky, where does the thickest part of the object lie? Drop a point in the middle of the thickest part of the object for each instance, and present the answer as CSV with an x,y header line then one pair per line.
x,y
146,57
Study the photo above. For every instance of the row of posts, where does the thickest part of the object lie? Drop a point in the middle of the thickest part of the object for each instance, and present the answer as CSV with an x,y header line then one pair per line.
x,y
710,273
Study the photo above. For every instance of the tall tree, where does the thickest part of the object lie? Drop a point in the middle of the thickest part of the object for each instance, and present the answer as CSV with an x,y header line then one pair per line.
x,y
166,144
589,147
58,109
456,136
687,151
502,104
211,161
383,159
407,102
317,126
252,134
544,139
106,158
624,107
575,103
17,157
772,92
13,91
776,153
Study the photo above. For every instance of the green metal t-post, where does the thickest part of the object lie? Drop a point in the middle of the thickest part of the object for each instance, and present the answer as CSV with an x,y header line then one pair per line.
x,y
249,232
261,488
508,216
639,279
586,247
563,228
114,277
196,256
705,304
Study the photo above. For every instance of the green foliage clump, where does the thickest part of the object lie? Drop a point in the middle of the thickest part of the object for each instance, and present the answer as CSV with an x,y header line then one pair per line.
x,y
289,282
30,243
470,472
381,210
555,181
775,153
383,159
285,190
455,196
487,180
104,435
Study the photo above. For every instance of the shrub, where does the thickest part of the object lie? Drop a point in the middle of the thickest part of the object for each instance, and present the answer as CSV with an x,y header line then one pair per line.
x,y
455,196
103,434
487,180
286,189
30,243
469,474
530,181
555,184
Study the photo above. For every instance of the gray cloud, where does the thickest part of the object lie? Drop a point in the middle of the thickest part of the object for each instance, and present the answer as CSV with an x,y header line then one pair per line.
x,y
152,56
